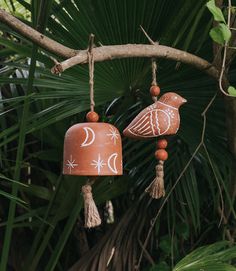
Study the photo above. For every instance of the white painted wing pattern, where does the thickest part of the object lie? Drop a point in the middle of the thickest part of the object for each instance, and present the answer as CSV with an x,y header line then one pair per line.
x,y
148,125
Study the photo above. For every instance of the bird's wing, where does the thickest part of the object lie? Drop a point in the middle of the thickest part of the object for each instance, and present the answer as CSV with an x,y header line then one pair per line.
x,y
151,123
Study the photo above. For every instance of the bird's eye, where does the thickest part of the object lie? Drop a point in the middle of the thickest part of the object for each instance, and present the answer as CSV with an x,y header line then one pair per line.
x,y
175,97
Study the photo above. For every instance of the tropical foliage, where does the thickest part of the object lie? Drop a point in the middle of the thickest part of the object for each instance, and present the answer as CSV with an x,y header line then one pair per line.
x,y
41,210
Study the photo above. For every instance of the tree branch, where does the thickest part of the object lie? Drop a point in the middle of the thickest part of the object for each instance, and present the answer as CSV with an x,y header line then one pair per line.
x,y
140,50
35,36
105,52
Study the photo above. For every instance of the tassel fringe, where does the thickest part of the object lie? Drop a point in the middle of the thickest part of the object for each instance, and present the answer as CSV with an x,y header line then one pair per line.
x,y
91,214
156,189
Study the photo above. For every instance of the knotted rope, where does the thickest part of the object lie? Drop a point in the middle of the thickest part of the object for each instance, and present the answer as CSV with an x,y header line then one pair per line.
x,y
91,214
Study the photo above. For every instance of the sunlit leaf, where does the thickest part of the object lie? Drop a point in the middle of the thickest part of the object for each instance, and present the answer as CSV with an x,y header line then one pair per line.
x,y
220,34
232,91
216,11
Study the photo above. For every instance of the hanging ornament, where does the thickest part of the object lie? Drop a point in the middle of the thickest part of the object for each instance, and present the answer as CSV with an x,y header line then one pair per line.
x,y
92,149
159,119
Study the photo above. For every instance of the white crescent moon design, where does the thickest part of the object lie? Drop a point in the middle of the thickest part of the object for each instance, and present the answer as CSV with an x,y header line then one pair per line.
x,y
90,137
112,160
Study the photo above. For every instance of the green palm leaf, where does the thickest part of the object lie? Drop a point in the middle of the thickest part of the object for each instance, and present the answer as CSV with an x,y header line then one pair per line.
x,y
121,91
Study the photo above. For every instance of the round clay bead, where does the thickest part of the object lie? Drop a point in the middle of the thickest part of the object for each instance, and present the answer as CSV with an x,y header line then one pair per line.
x,y
162,144
161,154
92,116
155,90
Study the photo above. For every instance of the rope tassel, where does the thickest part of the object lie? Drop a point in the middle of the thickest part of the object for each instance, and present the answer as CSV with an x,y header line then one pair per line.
x,y
91,214
156,189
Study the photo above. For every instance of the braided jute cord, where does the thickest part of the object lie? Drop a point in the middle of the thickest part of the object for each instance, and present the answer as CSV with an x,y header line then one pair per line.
x,y
154,76
91,71
91,214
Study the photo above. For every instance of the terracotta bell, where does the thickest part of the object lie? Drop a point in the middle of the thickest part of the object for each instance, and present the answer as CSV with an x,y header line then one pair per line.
x,y
92,149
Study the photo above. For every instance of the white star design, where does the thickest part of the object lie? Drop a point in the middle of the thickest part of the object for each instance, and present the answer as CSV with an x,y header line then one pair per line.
x,y
114,135
71,163
98,163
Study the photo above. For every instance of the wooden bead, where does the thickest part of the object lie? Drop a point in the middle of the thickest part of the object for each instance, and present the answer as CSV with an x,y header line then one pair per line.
x,y
92,116
155,90
162,144
161,154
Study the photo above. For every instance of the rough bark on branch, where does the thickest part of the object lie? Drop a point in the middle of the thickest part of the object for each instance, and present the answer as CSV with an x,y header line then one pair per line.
x,y
104,53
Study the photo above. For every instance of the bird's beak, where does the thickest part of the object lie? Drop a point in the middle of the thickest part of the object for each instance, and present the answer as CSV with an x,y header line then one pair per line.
x,y
184,101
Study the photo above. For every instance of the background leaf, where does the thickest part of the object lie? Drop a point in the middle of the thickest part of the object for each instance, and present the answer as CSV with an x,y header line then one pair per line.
x,y
220,34
232,91
216,11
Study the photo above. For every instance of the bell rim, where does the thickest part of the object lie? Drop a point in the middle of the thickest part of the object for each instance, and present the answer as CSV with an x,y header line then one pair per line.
x,y
89,174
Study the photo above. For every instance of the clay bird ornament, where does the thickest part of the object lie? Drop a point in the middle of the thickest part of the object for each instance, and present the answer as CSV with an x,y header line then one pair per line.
x,y
159,119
